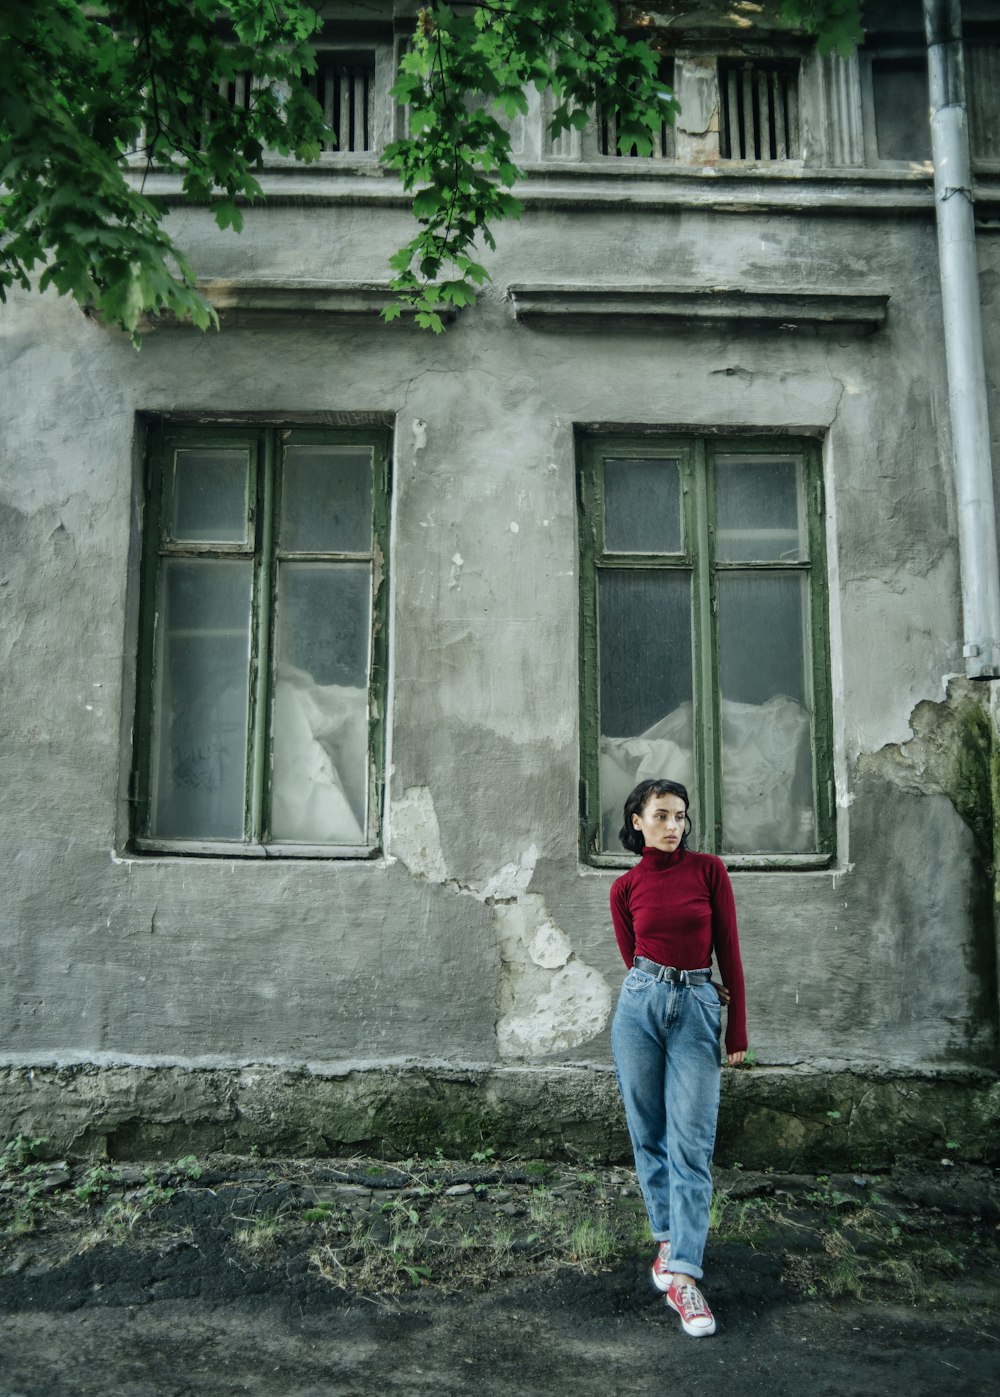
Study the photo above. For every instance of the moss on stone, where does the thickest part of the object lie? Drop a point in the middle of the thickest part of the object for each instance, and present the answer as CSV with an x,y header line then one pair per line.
x,y
778,1118
975,783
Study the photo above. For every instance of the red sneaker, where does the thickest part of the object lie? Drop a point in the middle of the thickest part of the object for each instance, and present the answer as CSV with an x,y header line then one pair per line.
x,y
696,1318
662,1275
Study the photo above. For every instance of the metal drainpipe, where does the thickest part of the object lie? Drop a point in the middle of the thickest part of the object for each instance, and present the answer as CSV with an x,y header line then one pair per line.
x,y
963,335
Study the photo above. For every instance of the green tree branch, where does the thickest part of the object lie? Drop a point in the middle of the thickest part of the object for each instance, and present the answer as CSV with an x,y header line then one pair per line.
x,y
93,90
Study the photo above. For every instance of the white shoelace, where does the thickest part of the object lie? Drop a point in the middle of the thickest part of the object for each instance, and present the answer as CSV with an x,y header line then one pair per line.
x,y
692,1301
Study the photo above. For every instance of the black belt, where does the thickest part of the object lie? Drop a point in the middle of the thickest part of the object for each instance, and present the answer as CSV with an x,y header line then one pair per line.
x,y
670,973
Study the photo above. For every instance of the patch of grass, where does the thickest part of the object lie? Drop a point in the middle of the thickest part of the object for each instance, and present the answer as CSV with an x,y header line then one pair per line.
x,y
260,1234
430,1241
592,1241
843,1278
361,1260
738,1219
831,1198
20,1162
502,1239
20,1153
94,1185
319,1212
540,1205
900,1273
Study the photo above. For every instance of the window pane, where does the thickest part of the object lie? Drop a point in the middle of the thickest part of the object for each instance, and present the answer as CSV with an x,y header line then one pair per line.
x,y
759,509
642,506
200,730
319,792
766,720
326,504
645,662
902,104
210,496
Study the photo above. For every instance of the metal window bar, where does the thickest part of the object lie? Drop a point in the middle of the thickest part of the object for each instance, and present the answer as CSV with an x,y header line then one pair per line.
x,y
238,93
760,111
609,127
344,86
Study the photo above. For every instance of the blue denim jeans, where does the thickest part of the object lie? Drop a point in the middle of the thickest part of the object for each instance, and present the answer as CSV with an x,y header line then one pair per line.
x,y
666,1041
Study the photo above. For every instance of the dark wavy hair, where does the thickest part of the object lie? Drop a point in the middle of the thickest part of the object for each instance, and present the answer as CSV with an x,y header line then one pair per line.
x,y
631,837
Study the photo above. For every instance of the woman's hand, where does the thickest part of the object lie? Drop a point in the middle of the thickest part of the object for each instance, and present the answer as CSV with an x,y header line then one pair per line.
x,y
733,1059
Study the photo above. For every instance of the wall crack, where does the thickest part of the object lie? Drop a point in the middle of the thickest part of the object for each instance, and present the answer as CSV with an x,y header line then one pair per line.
x,y
550,999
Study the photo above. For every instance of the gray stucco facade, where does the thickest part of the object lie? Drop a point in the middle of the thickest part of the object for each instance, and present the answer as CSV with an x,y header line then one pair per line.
x,y
475,946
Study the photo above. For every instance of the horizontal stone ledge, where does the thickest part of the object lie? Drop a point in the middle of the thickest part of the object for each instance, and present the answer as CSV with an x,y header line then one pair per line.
x,y
800,1118
243,300
618,186
550,306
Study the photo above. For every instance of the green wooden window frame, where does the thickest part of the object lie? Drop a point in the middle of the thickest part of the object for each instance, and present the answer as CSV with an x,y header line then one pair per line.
x,y
697,552
183,563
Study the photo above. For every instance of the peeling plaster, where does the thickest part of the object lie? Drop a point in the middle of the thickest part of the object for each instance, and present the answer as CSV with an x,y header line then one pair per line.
x,y
416,837
952,752
550,1000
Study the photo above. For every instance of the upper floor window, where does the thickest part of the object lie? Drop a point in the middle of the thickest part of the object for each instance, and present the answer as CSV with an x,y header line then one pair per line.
x,y
703,640
261,675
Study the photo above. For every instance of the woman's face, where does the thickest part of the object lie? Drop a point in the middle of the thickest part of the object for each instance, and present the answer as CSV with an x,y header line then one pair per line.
x,y
661,822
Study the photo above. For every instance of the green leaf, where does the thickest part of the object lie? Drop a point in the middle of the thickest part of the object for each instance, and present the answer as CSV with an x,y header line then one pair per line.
x,y
427,203
227,215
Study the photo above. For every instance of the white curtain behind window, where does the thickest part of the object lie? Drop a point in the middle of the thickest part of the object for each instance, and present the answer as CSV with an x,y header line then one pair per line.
x,y
765,748
320,744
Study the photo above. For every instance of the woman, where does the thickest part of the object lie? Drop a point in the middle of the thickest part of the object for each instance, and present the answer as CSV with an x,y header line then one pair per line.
x,y
671,913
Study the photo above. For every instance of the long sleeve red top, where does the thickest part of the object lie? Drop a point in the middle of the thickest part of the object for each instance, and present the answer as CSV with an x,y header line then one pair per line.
x,y
678,909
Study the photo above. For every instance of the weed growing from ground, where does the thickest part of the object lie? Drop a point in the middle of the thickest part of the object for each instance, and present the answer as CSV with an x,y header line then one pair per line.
x,y
738,1219
260,1234
592,1241
540,1205
21,1164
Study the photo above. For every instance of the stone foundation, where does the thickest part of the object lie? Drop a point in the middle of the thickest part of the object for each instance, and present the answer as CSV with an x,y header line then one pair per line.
x,y
789,1119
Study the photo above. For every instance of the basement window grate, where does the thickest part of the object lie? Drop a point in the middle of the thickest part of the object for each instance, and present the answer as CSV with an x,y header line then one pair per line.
x,y
760,110
237,93
344,86
609,126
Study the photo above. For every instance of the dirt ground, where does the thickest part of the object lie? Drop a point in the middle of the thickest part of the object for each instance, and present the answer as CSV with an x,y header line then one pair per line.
x,y
356,1279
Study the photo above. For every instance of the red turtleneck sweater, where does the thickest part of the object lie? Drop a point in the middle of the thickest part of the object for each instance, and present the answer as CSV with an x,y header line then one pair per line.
x,y
678,909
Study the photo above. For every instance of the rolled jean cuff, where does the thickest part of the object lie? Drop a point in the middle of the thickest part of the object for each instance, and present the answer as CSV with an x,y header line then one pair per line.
x,y
661,1236
686,1268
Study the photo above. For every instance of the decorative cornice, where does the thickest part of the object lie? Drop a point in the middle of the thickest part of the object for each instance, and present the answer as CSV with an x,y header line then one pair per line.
x,y
550,306
248,301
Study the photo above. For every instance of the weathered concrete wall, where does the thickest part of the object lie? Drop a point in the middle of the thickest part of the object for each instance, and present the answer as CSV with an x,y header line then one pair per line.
x,y
480,938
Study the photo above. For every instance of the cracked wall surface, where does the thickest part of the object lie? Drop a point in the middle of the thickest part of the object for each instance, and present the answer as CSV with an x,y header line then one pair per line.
x,y
479,936
550,1000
